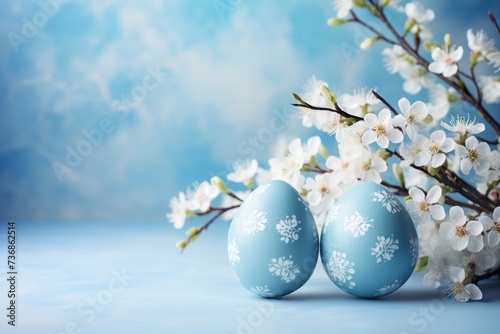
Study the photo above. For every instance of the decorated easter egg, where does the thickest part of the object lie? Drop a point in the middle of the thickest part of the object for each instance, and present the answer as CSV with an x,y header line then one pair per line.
x,y
273,241
369,245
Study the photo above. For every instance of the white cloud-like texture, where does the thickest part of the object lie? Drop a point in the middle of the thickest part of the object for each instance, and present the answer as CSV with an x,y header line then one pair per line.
x,y
220,75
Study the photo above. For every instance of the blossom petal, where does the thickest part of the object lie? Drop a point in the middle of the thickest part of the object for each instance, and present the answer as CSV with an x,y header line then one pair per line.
x,y
459,243
465,166
437,67
448,145
437,212
493,238
419,109
457,216
447,230
434,194
474,227
457,274
461,151
496,214
369,137
404,105
416,194
471,143
438,160
371,120
313,198
395,136
383,141
422,158
384,116
450,70
438,137
474,292
457,54
475,244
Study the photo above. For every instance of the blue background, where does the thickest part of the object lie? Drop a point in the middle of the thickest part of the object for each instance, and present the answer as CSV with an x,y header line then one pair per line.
x,y
227,71
226,74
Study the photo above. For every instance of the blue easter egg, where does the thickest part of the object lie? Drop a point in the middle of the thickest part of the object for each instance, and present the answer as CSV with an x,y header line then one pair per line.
x,y
369,245
273,241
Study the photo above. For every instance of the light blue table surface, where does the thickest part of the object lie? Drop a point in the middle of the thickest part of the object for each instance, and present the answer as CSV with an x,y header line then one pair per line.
x,y
110,277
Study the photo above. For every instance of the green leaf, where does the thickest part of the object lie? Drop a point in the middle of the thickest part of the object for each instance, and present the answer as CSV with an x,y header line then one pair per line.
x,y
421,263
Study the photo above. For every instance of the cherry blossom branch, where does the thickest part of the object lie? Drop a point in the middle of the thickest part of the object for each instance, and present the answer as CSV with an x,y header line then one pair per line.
x,y
494,21
476,85
490,274
337,109
198,230
401,191
384,101
455,182
458,86
444,175
355,18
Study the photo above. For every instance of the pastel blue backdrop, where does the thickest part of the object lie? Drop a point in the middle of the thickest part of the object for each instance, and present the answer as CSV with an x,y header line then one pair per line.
x,y
132,101
222,71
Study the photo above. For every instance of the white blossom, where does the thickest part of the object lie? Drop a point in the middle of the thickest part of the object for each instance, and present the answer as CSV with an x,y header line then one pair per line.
x,y
412,118
473,155
341,166
420,17
343,7
298,154
433,150
351,145
416,77
491,227
494,59
425,206
463,126
323,189
461,291
395,59
493,174
359,103
179,207
244,172
479,43
460,233
312,94
441,99
370,169
380,129
490,87
445,62
202,196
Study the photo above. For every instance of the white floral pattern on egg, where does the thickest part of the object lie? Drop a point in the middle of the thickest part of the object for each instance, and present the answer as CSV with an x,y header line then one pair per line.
x,y
369,245
273,241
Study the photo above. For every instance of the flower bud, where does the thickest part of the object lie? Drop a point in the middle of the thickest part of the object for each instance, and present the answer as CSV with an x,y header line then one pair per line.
x,y
181,244
219,183
192,231
360,3
409,24
323,151
334,21
399,174
368,42
327,94
447,41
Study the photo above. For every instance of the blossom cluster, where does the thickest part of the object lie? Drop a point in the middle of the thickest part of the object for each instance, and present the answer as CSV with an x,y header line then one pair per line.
x,y
448,174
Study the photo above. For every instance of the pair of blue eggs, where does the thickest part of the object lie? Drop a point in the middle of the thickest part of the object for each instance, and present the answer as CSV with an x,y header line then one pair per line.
x,y
368,243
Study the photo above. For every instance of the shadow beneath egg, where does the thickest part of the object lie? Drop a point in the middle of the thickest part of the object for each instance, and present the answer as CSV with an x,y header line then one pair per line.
x,y
490,289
